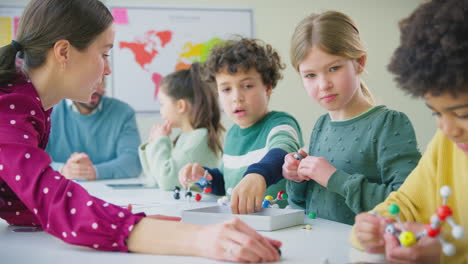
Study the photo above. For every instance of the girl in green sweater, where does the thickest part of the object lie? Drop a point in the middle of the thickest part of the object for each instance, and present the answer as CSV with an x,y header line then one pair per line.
x,y
359,152
190,104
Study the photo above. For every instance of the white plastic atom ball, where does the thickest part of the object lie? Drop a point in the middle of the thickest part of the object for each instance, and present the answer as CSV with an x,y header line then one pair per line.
x,y
445,191
458,232
288,207
275,206
448,249
390,228
229,191
435,219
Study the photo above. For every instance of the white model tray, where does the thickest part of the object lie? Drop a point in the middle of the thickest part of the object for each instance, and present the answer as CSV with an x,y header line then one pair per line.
x,y
268,219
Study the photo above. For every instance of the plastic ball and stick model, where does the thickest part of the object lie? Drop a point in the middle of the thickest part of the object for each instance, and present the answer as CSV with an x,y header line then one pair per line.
x,y
433,229
203,183
225,200
298,156
270,202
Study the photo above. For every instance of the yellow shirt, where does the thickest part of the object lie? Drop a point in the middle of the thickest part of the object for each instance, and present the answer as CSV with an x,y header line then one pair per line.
x,y
418,198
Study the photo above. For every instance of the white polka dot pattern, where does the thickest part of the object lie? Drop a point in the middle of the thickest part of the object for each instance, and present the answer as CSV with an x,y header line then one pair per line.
x,y
90,217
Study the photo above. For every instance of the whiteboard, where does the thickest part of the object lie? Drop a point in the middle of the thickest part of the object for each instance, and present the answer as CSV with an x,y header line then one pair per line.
x,y
9,21
151,42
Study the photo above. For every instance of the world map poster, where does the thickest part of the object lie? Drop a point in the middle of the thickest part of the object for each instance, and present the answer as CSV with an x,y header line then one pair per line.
x,y
152,42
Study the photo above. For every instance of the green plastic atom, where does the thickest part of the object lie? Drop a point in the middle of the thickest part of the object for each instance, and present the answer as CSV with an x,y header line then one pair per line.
x,y
393,209
312,215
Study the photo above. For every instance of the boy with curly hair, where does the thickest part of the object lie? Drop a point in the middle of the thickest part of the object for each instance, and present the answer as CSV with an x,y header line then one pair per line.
x,y
431,63
245,72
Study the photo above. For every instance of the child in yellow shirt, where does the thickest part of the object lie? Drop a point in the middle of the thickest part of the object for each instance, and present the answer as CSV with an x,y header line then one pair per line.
x,y
432,63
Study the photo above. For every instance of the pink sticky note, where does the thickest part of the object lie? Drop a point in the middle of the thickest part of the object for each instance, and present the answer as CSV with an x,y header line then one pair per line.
x,y
16,21
120,15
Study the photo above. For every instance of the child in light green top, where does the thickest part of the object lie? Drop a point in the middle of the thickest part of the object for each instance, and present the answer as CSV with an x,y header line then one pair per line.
x,y
190,104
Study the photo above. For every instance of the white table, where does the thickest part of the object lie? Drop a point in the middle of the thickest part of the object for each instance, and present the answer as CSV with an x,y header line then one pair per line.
x,y
326,240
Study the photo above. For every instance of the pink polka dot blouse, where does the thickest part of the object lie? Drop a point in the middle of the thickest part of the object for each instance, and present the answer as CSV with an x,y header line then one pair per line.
x,y
33,194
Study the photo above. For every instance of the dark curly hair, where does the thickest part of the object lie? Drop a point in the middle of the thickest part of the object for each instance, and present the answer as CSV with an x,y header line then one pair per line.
x,y
244,54
433,53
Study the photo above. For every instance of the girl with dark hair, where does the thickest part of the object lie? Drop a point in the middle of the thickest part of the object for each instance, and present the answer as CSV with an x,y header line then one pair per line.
x,y
190,104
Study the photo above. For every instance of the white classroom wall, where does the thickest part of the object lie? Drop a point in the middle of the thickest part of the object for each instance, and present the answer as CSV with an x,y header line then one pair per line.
x,y
274,23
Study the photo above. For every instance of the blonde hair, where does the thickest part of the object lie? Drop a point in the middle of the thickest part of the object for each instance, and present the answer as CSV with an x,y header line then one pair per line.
x,y
333,32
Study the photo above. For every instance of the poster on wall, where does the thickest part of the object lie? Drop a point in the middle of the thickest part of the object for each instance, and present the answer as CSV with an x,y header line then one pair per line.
x,y
152,42
9,21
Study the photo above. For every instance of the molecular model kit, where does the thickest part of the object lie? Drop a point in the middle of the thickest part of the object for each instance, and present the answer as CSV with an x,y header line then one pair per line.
x,y
267,219
270,202
433,229
203,183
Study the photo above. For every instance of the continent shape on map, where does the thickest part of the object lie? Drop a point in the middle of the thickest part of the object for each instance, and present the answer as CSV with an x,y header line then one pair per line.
x,y
146,49
195,53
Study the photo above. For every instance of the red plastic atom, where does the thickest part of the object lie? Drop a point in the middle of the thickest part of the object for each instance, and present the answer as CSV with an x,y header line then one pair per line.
x,y
443,212
280,195
431,232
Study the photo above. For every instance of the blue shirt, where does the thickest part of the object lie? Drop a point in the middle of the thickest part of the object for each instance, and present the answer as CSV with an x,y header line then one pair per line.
x,y
109,137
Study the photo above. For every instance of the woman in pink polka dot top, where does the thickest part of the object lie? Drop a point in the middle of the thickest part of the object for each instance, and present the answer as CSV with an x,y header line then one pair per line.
x,y
64,46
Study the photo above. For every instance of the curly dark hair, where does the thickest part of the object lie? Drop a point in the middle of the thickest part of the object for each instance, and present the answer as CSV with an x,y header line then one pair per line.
x,y
244,54
433,53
